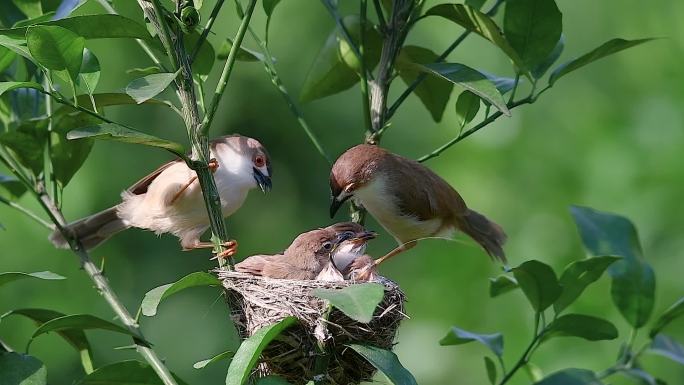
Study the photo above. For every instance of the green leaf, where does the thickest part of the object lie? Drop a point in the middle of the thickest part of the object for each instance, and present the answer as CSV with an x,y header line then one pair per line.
x,y
243,54
14,276
272,380
269,6
20,369
490,367
471,80
633,290
26,142
578,275
477,22
640,376
149,86
89,75
69,155
540,69
539,283
206,56
467,106
249,351
117,133
74,337
477,4
386,362
144,71
125,373
532,27
16,45
14,188
608,48
6,58
81,322
667,347
35,20
30,8
218,357
104,100
356,301
102,26
155,296
9,86
56,48
583,326
458,336
571,377
673,312
501,285
534,372
336,67
432,92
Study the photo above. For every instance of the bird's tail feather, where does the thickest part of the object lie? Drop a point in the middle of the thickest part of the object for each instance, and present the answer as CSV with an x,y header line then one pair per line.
x,y
252,265
485,232
92,230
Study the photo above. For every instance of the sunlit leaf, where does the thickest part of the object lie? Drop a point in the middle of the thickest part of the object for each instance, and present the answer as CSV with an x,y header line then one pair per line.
x,y
501,285
89,75
154,297
578,275
667,347
9,86
532,27
30,8
571,377
458,336
433,92
117,133
44,18
21,369
471,80
582,326
249,351
81,322
56,48
125,373
101,26
149,86
387,363
673,312
608,48
221,356
539,283
14,276
356,301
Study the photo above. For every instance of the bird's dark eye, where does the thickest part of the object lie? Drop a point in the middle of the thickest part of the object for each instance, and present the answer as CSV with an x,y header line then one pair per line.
x,y
327,246
259,161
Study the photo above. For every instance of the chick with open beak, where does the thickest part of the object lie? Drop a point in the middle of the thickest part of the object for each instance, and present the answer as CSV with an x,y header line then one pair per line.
x,y
348,251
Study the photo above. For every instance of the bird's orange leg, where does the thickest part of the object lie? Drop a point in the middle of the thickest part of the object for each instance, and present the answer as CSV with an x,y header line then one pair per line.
x,y
213,166
231,248
397,250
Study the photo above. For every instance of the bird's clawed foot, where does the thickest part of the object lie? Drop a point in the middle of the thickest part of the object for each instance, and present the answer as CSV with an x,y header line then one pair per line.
x,y
213,165
230,250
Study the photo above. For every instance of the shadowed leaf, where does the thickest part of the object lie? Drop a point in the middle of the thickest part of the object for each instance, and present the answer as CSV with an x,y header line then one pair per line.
x,y
387,363
539,283
243,54
21,369
490,367
571,377
14,188
458,336
467,106
583,326
532,27
540,69
115,132
673,312
667,347
81,322
149,86
501,285
125,373
578,275
92,27
57,49
14,276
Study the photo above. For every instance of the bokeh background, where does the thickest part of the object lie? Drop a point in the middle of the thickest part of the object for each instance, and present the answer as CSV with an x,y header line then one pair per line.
x,y
609,136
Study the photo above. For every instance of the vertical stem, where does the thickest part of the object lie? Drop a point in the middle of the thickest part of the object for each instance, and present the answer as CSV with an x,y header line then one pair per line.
x,y
207,28
364,78
48,150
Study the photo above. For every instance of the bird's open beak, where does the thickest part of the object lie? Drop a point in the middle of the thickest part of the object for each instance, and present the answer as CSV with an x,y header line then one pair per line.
x,y
262,180
364,236
344,236
335,204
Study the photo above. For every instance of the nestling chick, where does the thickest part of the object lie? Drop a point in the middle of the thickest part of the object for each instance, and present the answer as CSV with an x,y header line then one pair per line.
x,y
169,200
409,200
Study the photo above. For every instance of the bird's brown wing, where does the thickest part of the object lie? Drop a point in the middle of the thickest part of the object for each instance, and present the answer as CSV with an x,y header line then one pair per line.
x,y
255,264
141,186
415,184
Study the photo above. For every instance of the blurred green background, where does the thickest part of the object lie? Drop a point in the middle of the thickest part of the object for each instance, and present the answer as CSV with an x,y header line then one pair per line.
x,y
609,136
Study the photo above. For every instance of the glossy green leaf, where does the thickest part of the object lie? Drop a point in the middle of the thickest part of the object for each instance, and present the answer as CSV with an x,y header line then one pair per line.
x,y
56,48
7,56
272,380
12,186
467,106
667,347
582,326
249,351
356,301
532,27
101,26
458,336
44,18
221,356
501,285
149,86
433,92
633,290
578,275
80,322
269,6
571,377
477,22
540,69
154,297
608,48
539,283
490,367
14,276
89,75
9,86
30,8
143,71
471,80
69,155
673,312
21,369
110,131
386,362
206,57
503,84
74,337
243,54
125,373
16,44
336,67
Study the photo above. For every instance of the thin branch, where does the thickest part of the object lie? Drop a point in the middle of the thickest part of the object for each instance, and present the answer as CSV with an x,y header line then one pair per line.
x,y
527,353
365,99
28,213
381,15
345,32
207,28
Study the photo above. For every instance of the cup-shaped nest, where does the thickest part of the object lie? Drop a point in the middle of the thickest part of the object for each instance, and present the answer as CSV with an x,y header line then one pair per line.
x,y
256,302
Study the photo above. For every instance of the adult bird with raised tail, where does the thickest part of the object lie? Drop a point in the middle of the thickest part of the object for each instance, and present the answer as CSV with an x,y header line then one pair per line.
x,y
409,200
169,200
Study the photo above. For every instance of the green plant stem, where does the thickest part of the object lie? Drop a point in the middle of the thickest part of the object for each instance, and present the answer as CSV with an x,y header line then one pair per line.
x,y
364,78
270,68
528,351
48,147
207,28
28,213
487,121
380,14
228,67
332,9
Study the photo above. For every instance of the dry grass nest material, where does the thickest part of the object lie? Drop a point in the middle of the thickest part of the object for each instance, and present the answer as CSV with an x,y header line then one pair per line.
x,y
256,302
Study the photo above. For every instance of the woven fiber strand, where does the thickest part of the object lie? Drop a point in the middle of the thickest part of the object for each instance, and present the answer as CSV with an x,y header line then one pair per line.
x,y
256,302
